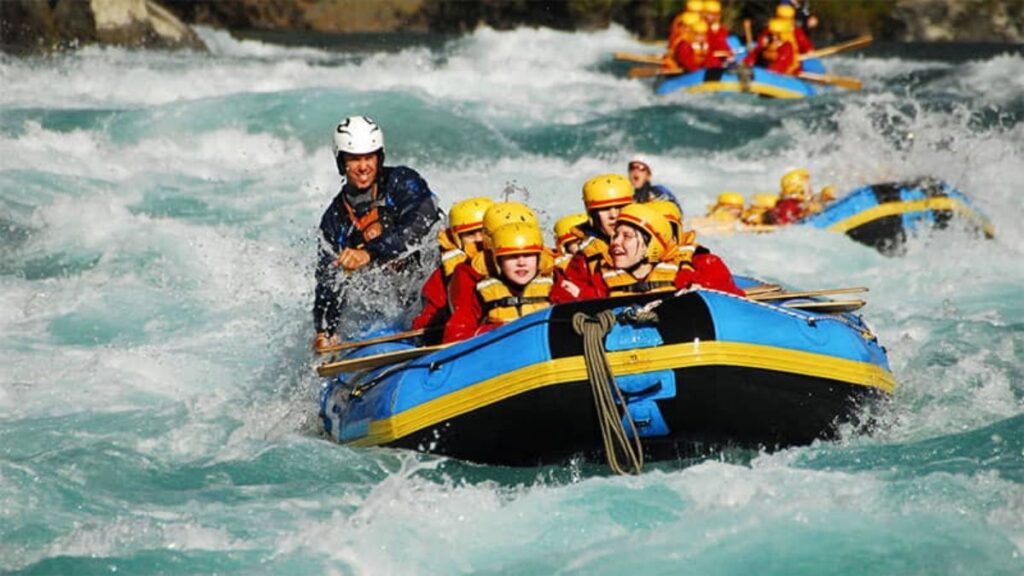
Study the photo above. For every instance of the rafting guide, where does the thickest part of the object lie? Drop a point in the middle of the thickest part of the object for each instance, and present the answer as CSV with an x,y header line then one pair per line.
x,y
379,214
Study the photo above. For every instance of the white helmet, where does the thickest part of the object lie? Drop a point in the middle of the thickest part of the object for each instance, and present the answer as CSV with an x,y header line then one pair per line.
x,y
358,135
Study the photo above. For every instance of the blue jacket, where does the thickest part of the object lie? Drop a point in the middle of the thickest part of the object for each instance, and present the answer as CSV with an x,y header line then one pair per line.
x,y
654,192
406,210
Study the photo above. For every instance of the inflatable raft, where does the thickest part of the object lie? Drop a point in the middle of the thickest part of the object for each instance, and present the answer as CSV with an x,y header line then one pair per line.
x,y
882,216
761,81
711,370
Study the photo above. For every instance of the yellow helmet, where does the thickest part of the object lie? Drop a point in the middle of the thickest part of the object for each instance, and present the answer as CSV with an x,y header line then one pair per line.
x,y
671,212
765,200
647,219
700,27
794,183
780,26
516,238
690,18
694,5
785,12
501,213
606,191
467,216
827,194
712,7
564,227
730,199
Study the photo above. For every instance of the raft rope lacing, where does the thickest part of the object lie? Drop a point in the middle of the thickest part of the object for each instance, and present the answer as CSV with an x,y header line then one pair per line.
x,y
617,444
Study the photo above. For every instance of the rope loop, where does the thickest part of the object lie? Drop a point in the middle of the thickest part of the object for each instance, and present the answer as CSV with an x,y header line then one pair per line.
x,y
609,401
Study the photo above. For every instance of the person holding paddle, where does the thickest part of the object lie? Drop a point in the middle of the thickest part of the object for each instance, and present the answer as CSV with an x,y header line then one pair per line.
x,y
776,49
379,214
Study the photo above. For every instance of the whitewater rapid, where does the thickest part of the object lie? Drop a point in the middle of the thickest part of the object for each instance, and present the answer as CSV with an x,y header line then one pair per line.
x,y
157,406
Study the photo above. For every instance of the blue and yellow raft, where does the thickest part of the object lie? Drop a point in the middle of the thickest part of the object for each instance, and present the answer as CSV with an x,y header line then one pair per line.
x,y
884,215
713,370
762,82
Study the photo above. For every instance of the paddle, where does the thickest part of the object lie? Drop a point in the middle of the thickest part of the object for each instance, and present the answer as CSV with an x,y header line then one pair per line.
x,y
829,307
806,293
369,341
647,72
748,33
857,42
639,58
762,289
833,80
328,369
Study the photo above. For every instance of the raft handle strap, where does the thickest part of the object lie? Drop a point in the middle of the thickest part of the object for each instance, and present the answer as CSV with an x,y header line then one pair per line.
x,y
617,444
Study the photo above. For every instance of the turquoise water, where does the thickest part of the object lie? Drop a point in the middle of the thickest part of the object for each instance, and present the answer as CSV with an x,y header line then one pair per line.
x,y
157,406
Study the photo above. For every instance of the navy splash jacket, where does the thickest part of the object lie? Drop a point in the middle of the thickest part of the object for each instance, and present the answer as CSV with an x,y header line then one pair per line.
x,y
406,210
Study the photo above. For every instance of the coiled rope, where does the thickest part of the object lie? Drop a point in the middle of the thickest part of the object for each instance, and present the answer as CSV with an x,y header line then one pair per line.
x,y
617,444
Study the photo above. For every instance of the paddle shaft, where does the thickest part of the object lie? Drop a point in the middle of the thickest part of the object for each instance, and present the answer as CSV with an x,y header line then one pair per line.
x,y
807,293
329,369
830,50
369,341
841,81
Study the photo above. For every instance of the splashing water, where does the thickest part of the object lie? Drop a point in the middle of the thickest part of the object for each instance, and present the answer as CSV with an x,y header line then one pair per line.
x,y
157,406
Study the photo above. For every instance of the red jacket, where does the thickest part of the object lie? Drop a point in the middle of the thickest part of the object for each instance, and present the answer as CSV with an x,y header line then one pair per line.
x,y
434,295
716,52
705,269
465,310
787,211
785,59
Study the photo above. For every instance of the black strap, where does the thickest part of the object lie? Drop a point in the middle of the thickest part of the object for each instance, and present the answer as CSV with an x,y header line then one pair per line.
x,y
515,301
644,286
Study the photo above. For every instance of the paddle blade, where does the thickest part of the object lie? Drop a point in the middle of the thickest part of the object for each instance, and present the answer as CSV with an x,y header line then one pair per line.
x,y
832,80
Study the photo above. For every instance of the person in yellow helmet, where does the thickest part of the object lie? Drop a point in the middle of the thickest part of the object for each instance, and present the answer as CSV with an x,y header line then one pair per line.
x,y
727,208
459,241
521,284
821,200
603,196
718,34
680,31
644,259
803,42
760,205
776,49
567,239
702,49
795,192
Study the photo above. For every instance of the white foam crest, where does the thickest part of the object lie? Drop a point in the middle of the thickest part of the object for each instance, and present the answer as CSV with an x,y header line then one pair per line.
x,y
999,80
221,43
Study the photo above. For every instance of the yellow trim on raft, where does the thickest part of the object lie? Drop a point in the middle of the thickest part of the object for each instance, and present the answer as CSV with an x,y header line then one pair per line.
x,y
752,88
894,208
572,369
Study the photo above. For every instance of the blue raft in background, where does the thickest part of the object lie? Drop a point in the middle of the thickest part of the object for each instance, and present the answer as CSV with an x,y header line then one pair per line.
x,y
884,215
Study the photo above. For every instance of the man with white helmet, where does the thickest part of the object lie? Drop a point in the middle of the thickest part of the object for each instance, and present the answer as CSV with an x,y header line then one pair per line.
x,y
379,214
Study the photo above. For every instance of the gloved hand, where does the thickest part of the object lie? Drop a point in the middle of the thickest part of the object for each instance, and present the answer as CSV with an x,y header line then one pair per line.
x,y
353,259
322,341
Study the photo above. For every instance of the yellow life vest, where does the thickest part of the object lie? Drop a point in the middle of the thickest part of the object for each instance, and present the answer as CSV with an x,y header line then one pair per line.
x,y
563,260
595,251
682,255
450,259
661,279
501,306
